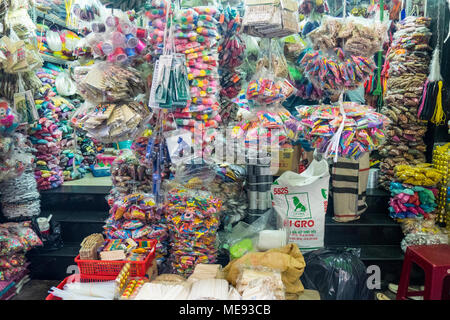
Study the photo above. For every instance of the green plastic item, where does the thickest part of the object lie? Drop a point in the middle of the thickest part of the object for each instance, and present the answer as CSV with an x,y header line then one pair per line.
x,y
242,247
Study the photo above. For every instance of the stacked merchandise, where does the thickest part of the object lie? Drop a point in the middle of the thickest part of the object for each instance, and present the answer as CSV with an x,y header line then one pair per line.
x,y
58,157
231,54
441,162
196,35
137,216
362,131
408,59
413,203
156,12
59,44
87,148
229,180
135,210
193,220
19,197
46,137
15,240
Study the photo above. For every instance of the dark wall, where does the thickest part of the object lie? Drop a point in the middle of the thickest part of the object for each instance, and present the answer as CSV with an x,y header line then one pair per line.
x,y
439,9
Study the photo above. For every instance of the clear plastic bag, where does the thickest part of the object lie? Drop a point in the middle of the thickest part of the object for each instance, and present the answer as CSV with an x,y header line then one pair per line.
x,y
260,283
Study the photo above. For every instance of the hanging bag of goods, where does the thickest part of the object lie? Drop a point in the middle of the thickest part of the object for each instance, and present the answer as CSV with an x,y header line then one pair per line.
x,y
341,54
270,18
300,202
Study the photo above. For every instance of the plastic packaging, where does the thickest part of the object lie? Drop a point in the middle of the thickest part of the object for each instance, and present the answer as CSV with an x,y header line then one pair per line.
x,y
338,274
260,283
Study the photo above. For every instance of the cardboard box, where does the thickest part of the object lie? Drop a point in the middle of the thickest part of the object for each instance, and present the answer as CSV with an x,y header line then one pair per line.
x,y
288,159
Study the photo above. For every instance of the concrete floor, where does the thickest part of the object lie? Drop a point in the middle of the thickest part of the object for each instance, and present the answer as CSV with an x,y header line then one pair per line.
x,y
36,290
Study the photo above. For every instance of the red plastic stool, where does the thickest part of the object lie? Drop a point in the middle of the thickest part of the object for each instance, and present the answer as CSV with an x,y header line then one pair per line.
x,y
435,262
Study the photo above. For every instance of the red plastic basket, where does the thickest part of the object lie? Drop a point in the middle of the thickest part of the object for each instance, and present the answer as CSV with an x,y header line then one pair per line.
x,y
112,268
79,278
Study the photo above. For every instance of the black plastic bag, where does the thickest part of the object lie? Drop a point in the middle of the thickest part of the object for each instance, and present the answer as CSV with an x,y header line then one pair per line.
x,y
52,241
338,274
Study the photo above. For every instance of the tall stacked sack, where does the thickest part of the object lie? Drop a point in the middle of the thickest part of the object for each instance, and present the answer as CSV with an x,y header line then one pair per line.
x,y
408,59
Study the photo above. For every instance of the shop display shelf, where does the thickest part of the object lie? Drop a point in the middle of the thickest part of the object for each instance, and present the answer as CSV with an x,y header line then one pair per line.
x,y
52,18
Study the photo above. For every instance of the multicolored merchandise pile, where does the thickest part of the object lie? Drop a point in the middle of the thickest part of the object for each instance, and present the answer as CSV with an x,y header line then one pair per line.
x,y
231,54
193,220
156,12
409,201
137,216
341,55
407,64
15,240
196,35
414,192
46,137
350,134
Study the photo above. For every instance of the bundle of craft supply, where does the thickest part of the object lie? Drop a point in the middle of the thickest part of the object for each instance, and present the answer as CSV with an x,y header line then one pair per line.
x,y
163,291
16,238
336,72
12,266
409,201
260,284
270,19
90,246
61,44
351,133
231,53
13,286
18,56
193,220
196,36
107,82
135,206
85,291
137,229
229,181
45,137
441,163
125,249
355,36
19,196
129,174
117,39
87,148
420,175
111,122
156,12
406,64
423,239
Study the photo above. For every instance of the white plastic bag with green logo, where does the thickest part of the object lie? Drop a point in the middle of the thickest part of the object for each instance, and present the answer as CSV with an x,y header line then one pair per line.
x,y
300,202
